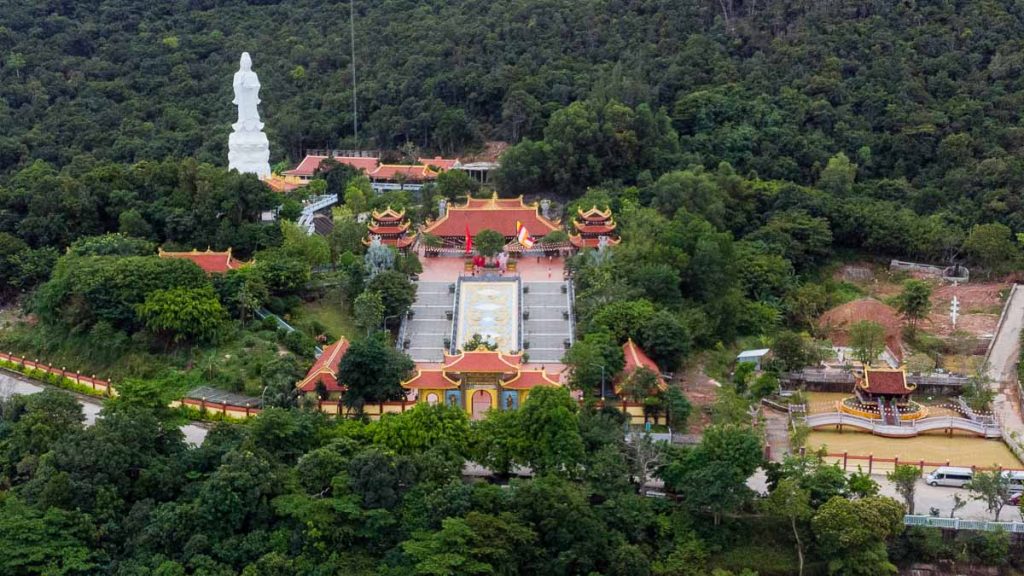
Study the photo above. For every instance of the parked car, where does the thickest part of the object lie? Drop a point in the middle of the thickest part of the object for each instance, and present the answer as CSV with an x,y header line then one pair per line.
x,y
949,476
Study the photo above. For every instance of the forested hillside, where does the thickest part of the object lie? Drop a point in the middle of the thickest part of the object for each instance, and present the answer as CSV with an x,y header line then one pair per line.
x,y
923,96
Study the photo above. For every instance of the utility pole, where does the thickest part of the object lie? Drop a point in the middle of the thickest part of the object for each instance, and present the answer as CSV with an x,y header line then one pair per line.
x,y
352,36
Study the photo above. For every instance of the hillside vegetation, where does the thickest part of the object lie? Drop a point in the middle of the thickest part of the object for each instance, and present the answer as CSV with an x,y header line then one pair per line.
x,y
923,96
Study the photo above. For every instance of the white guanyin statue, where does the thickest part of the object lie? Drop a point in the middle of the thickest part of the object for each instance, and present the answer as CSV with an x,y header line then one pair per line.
x,y
248,147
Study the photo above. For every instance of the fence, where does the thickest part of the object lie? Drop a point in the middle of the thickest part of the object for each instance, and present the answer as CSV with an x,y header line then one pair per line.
x,y
105,388
97,384
875,464
209,407
958,524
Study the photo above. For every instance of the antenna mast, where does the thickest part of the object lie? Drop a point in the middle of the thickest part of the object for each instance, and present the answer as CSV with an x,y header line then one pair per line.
x,y
352,35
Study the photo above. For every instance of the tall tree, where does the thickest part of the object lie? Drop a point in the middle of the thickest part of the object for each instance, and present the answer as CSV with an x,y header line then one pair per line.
x,y
792,503
904,477
372,371
914,302
867,339
548,418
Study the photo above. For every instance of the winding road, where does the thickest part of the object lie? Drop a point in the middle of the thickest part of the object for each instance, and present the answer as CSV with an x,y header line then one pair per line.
x,y
1002,363
11,385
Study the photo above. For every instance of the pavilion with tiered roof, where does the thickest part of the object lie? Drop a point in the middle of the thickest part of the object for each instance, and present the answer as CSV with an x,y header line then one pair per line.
x,y
392,227
591,225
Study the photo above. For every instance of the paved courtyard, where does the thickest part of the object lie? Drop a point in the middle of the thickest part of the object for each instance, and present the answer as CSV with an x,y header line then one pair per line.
x,y
546,310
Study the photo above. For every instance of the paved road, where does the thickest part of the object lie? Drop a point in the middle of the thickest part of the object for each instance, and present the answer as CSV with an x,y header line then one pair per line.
x,y
1002,363
926,497
10,385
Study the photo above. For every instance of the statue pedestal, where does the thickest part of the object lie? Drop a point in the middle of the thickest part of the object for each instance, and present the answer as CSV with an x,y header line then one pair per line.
x,y
249,153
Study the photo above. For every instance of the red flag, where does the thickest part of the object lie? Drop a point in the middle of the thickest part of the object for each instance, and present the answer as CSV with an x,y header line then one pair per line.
x,y
469,240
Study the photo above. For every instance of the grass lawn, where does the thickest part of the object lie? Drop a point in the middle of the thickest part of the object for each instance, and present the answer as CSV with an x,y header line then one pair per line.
x,y
330,312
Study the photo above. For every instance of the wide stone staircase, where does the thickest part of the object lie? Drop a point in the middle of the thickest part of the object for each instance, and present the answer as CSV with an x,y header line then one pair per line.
x,y
548,320
429,324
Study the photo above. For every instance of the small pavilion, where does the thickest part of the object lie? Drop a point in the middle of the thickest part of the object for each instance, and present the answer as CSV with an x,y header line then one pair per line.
x,y
883,394
889,386
591,225
211,262
393,228
478,380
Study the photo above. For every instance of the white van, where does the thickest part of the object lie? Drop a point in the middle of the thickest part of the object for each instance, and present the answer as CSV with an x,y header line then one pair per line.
x,y
949,476
1016,481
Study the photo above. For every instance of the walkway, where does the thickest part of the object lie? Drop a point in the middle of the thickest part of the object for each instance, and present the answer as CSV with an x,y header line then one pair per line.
x,y
11,385
906,429
776,430
1002,364
549,325
430,324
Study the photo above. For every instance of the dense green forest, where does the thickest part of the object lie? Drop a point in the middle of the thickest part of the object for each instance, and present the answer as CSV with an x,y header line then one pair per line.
x,y
923,96
295,493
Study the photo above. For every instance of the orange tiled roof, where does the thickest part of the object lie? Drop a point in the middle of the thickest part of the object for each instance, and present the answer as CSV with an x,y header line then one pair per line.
x,y
585,228
282,184
498,214
415,173
389,229
482,361
310,164
636,358
438,162
527,379
211,262
878,381
307,167
325,369
430,378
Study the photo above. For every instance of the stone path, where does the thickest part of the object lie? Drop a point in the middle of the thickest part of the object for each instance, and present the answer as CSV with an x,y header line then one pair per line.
x,y
776,430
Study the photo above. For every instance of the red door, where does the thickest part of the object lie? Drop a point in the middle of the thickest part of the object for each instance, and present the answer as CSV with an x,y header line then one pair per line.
x,y
481,404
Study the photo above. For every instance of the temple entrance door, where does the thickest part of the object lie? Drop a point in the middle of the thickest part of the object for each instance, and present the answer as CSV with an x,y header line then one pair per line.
x,y
481,404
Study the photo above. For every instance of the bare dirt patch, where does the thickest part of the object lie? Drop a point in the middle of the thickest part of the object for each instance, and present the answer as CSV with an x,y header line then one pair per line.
x,y
701,391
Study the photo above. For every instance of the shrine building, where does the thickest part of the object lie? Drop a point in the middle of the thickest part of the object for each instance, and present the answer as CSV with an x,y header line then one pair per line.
x,y
322,378
211,262
591,225
502,215
636,358
885,387
392,227
478,381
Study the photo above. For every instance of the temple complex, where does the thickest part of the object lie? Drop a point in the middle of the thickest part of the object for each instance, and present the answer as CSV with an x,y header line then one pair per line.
x,y
392,227
211,262
504,215
478,380
591,225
